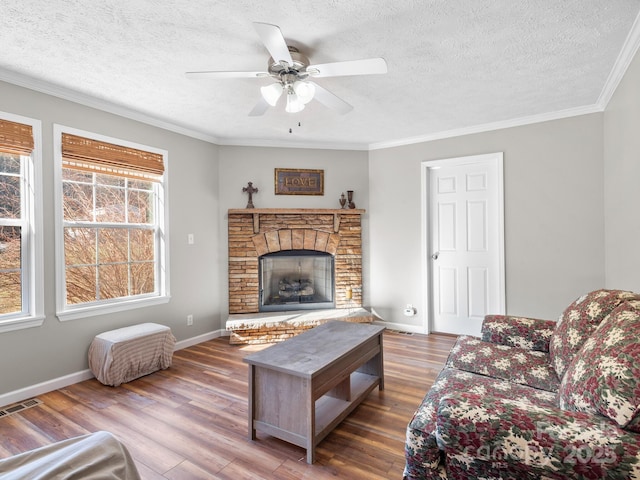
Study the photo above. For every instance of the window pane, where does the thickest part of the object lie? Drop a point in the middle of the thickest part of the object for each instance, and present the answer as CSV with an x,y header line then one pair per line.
x,y
142,278
142,245
110,180
113,245
80,246
10,270
141,185
81,284
109,204
114,281
140,207
10,292
77,201
9,196
77,175
10,248
9,163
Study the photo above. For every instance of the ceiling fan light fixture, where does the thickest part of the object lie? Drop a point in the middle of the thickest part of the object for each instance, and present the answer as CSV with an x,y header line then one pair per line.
x,y
292,73
304,90
271,93
294,104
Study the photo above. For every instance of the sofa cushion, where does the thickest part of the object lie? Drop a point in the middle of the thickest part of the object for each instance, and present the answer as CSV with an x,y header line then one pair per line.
x,y
423,455
579,321
604,376
501,438
513,364
521,332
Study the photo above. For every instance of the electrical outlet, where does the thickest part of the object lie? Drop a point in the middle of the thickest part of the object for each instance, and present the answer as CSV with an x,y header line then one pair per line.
x,y
410,311
189,320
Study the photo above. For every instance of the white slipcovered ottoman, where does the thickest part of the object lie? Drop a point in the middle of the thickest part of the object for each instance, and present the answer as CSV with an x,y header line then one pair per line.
x,y
122,355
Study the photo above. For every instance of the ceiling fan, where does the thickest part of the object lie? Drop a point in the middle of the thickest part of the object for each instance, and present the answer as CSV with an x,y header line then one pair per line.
x,y
293,72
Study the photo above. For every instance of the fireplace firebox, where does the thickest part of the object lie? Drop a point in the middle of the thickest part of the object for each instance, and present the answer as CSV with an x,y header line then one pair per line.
x,y
296,280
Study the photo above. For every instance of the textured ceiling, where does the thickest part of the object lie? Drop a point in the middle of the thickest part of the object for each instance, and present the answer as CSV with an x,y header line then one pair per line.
x,y
453,65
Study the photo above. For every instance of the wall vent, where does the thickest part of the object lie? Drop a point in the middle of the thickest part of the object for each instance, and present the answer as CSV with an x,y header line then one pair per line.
x,y
18,407
399,332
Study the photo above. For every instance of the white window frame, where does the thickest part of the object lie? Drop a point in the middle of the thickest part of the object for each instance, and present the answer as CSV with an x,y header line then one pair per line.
x,y
66,312
32,261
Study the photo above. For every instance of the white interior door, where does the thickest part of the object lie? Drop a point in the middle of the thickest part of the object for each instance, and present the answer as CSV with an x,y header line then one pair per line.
x,y
465,235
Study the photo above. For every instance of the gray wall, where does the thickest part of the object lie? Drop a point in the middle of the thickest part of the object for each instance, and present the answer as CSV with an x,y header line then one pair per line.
x,y
35,355
554,239
622,182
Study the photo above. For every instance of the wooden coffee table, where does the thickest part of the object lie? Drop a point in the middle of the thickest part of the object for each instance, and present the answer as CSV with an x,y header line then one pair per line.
x,y
300,389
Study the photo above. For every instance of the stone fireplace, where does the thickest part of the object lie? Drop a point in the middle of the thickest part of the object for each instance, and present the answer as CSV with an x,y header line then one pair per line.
x,y
255,234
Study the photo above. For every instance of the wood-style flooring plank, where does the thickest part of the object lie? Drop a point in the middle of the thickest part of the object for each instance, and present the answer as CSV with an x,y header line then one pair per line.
x,y
189,422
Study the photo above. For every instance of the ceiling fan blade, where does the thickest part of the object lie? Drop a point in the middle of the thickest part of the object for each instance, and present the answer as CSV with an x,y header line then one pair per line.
x,y
216,74
261,107
367,66
273,39
330,100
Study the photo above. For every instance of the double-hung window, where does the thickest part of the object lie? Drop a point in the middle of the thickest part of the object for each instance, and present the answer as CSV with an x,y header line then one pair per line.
x,y
21,261
112,235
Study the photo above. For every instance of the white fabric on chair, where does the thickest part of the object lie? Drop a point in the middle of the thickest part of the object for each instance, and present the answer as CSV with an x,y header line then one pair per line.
x,y
96,456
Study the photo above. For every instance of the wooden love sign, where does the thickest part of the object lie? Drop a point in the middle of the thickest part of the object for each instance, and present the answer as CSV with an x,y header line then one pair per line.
x,y
291,181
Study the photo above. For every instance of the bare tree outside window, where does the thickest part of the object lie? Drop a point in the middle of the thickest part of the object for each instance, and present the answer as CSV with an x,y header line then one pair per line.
x,y
109,236
10,233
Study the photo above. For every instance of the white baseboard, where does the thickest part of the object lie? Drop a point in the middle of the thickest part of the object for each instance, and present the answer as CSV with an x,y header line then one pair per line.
x,y
201,338
44,387
66,380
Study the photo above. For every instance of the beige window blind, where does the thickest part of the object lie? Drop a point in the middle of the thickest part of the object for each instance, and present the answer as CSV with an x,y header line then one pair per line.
x,y
16,138
80,153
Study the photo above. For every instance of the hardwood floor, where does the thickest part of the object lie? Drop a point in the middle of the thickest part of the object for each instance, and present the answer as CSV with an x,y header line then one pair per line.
x,y
190,421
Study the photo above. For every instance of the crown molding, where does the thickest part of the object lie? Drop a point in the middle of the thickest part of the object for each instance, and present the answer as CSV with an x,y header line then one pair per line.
x,y
626,55
487,127
110,107
292,144
103,105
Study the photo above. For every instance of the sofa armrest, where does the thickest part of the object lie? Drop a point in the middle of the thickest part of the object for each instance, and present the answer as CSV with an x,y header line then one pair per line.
x,y
522,332
521,437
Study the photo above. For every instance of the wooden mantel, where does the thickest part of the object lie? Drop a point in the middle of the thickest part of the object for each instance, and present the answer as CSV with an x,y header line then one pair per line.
x,y
296,211
256,212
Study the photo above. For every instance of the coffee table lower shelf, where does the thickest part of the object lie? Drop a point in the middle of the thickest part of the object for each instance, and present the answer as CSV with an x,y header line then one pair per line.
x,y
329,412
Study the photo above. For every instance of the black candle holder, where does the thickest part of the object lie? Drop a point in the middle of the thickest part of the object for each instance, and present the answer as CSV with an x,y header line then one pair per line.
x,y
350,199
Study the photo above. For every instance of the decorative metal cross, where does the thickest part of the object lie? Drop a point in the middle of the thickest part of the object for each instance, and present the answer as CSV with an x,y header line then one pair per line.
x,y
250,190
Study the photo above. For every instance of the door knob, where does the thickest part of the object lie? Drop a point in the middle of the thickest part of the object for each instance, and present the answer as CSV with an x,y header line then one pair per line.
x,y
435,255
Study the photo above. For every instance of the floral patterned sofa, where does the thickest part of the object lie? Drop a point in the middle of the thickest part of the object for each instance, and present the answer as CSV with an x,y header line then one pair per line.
x,y
537,399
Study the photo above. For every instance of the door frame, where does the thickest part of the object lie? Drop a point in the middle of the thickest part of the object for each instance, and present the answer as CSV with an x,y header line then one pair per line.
x,y
425,166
